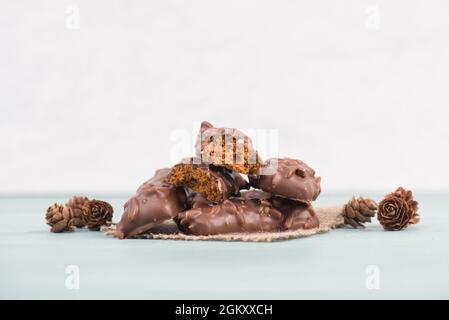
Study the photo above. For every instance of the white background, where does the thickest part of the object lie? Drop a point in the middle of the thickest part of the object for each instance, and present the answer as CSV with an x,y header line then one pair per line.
x,y
357,89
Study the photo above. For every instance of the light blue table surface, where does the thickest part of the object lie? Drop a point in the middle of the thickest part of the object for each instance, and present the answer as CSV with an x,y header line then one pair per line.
x,y
411,264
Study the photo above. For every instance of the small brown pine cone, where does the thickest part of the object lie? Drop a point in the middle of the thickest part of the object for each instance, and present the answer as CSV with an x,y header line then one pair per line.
x,y
397,210
99,214
79,207
59,218
359,211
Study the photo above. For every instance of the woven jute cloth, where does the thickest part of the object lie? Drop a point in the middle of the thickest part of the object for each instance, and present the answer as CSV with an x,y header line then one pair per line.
x,y
330,218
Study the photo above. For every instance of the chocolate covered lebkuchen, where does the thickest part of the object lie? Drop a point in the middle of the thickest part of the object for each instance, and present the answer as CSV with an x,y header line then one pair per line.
x,y
204,196
154,202
288,178
214,182
227,147
297,215
234,215
253,211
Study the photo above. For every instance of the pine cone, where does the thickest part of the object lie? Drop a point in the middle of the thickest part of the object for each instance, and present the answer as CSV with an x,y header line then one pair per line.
x,y
99,214
79,207
358,211
59,217
397,210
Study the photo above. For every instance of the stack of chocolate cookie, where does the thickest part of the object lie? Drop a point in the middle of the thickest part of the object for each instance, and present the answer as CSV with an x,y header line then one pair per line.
x,y
208,194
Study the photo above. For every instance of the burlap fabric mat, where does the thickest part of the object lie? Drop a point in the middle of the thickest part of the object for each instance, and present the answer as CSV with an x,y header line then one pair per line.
x,y
330,218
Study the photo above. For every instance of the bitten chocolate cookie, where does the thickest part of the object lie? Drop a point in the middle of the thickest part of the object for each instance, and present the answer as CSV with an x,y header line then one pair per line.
x,y
288,178
155,202
215,183
227,147
230,216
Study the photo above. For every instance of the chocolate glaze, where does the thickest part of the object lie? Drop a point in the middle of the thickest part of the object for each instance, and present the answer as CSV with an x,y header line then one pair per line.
x,y
253,211
154,202
229,183
291,179
300,218
230,216
297,215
